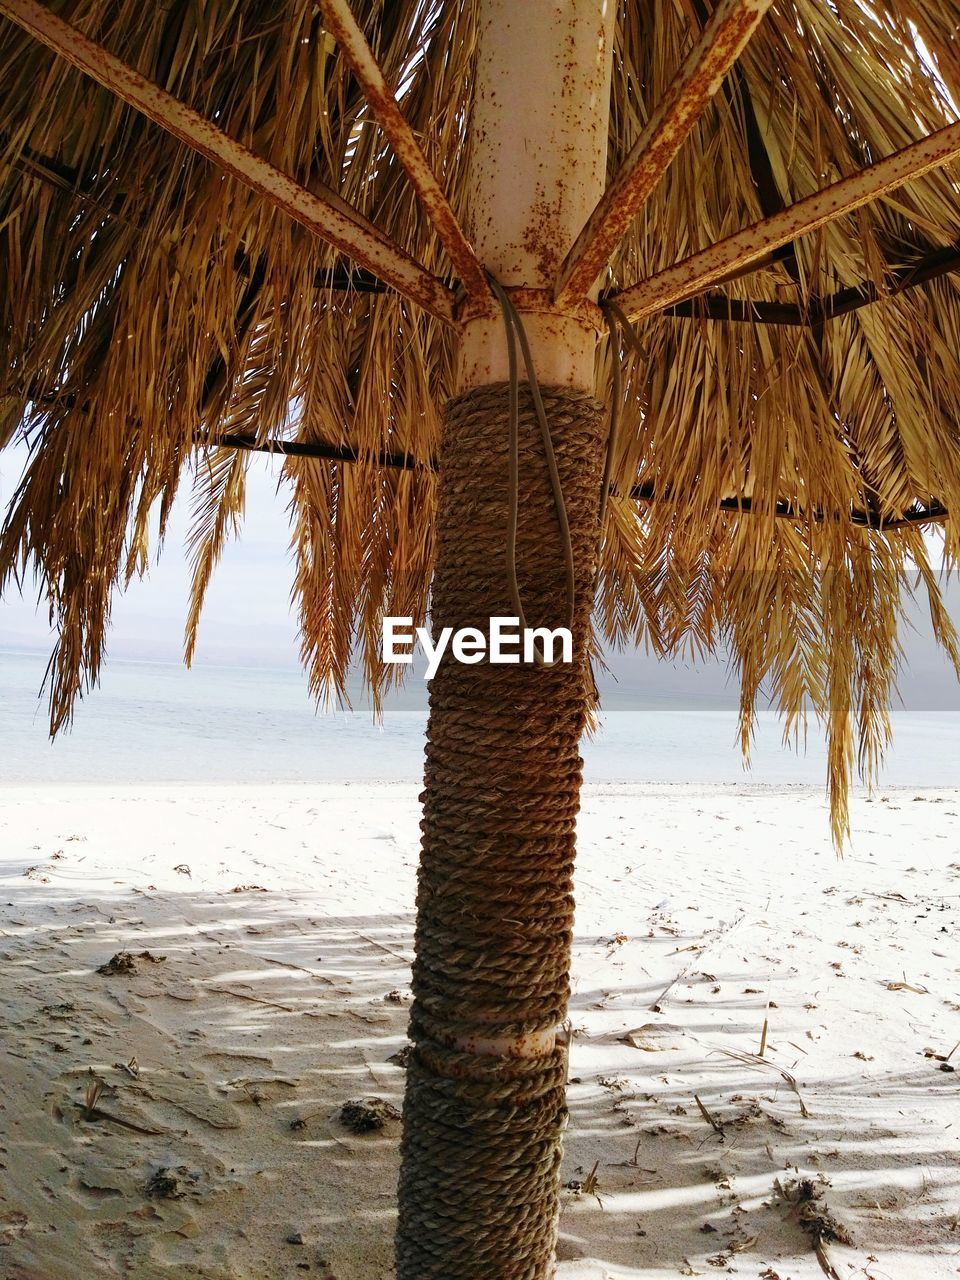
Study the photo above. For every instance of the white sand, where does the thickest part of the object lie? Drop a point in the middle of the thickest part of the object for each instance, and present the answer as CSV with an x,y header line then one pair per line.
x,y
274,1008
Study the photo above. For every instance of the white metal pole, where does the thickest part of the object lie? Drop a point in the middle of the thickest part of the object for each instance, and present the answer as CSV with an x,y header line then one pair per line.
x,y
537,169
538,163
484,1110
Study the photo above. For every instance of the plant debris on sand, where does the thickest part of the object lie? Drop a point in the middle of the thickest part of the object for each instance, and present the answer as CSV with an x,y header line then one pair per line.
x,y
367,1115
163,1185
125,962
807,1199
809,1207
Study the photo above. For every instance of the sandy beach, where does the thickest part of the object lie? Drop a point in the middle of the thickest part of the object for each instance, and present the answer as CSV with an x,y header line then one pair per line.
x,y
196,980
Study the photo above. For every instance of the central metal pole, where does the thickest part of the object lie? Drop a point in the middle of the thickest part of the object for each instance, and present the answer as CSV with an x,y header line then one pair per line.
x,y
538,162
538,157
485,1109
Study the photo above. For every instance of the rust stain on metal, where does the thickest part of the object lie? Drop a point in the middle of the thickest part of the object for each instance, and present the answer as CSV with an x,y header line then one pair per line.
x,y
701,270
342,25
539,238
721,43
539,302
322,212
538,1044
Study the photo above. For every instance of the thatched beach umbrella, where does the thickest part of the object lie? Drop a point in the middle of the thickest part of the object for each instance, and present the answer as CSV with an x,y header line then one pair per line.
x,y
372,237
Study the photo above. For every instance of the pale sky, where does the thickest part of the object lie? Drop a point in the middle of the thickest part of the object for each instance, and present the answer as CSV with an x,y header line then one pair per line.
x,y
248,619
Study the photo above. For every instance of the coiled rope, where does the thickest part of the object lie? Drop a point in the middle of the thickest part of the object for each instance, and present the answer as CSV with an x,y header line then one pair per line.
x,y
517,334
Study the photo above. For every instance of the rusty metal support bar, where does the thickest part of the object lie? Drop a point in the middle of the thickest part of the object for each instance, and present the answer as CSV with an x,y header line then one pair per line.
x,y
784,510
705,306
715,306
340,22
935,514
322,212
932,266
645,493
695,274
317,449
701,74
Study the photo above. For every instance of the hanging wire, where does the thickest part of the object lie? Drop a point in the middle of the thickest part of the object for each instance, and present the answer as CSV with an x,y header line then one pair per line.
x,y
615,322
516,335
627,331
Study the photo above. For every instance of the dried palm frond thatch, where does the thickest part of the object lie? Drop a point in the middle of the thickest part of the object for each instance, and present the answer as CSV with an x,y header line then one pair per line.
x,y
779,430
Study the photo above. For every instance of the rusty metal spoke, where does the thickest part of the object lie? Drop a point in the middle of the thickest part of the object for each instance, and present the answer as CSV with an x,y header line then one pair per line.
x,y
321,211
722,41
695,274
340,22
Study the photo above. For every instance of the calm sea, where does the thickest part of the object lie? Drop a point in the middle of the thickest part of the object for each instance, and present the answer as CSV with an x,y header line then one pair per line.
x,y
159,723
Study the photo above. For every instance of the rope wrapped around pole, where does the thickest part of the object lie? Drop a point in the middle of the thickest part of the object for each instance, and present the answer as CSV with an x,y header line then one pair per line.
x,y
481,1148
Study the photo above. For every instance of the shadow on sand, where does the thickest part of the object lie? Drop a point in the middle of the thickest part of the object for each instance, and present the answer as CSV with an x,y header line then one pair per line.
x,y
178,1117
